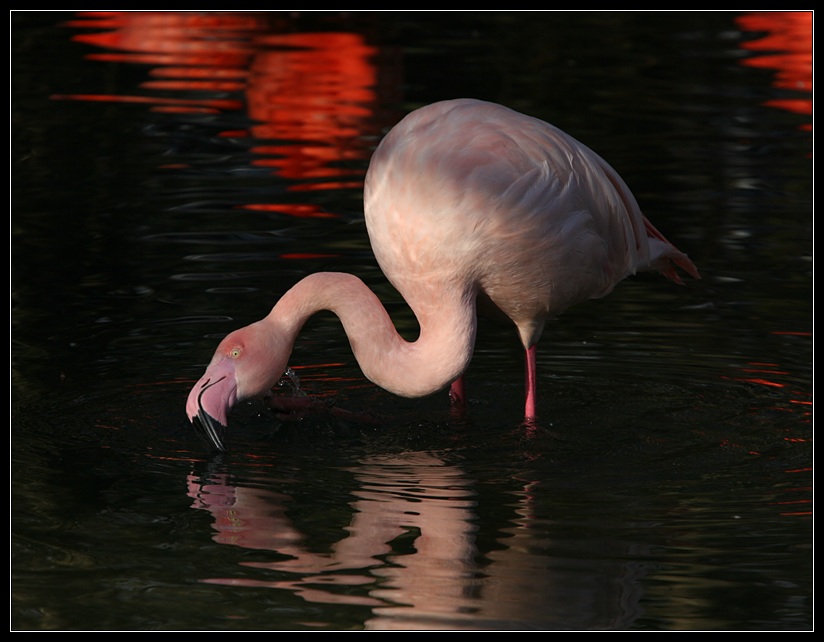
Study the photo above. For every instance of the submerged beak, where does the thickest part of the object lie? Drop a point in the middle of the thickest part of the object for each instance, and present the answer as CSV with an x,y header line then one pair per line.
x,y
210,401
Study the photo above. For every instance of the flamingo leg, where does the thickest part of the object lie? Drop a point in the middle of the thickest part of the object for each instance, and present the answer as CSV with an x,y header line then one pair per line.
x,y
531,382
457,392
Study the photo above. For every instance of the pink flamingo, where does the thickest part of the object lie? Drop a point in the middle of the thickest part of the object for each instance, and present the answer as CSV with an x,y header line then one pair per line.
x,y
466,202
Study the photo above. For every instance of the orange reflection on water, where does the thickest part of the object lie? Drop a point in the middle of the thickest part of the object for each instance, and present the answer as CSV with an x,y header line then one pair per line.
x,y
313,88
310,95
786,47
170,38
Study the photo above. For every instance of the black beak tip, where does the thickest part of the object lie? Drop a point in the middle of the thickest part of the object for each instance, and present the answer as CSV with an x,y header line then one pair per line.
x,y
210,430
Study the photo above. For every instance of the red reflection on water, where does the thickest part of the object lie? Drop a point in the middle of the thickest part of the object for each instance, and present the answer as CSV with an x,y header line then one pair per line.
x,y
311,95
784,397
300,210
755,367
160,104
313,88
786,47
794,401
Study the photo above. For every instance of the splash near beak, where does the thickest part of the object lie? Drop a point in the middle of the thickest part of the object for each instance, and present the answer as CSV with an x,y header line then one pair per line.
x,y
210,401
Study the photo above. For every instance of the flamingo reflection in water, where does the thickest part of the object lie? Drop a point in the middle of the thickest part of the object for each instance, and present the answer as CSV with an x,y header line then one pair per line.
x,y
410,552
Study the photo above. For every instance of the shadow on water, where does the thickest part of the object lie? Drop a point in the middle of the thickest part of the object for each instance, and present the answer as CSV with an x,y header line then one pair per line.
x,y
174,173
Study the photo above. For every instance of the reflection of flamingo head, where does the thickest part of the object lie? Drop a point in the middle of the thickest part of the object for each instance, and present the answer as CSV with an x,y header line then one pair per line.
x,y
246,364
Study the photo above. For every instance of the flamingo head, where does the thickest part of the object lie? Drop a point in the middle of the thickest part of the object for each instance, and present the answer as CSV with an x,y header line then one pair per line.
x,y
246,364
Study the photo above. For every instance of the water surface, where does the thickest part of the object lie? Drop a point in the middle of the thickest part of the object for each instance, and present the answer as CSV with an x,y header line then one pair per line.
x,y
173,174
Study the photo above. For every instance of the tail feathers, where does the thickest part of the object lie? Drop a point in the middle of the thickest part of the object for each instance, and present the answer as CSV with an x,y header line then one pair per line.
x,y
665,257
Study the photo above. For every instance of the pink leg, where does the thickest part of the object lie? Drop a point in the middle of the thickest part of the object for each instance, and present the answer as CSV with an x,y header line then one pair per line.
x,y
457,392
531,382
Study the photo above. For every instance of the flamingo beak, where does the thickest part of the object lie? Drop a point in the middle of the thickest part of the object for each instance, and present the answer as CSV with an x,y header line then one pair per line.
x,y
210,400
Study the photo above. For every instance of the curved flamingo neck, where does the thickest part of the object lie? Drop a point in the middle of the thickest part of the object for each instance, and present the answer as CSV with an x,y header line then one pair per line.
x,y
408,368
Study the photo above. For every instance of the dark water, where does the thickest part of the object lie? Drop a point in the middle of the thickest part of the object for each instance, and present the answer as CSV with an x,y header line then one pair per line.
x,y
173,174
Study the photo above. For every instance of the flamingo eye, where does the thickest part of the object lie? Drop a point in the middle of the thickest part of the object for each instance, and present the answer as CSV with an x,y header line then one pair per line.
x,y
235,353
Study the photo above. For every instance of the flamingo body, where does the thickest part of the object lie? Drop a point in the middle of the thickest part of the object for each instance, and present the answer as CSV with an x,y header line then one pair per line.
x,y
464,201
